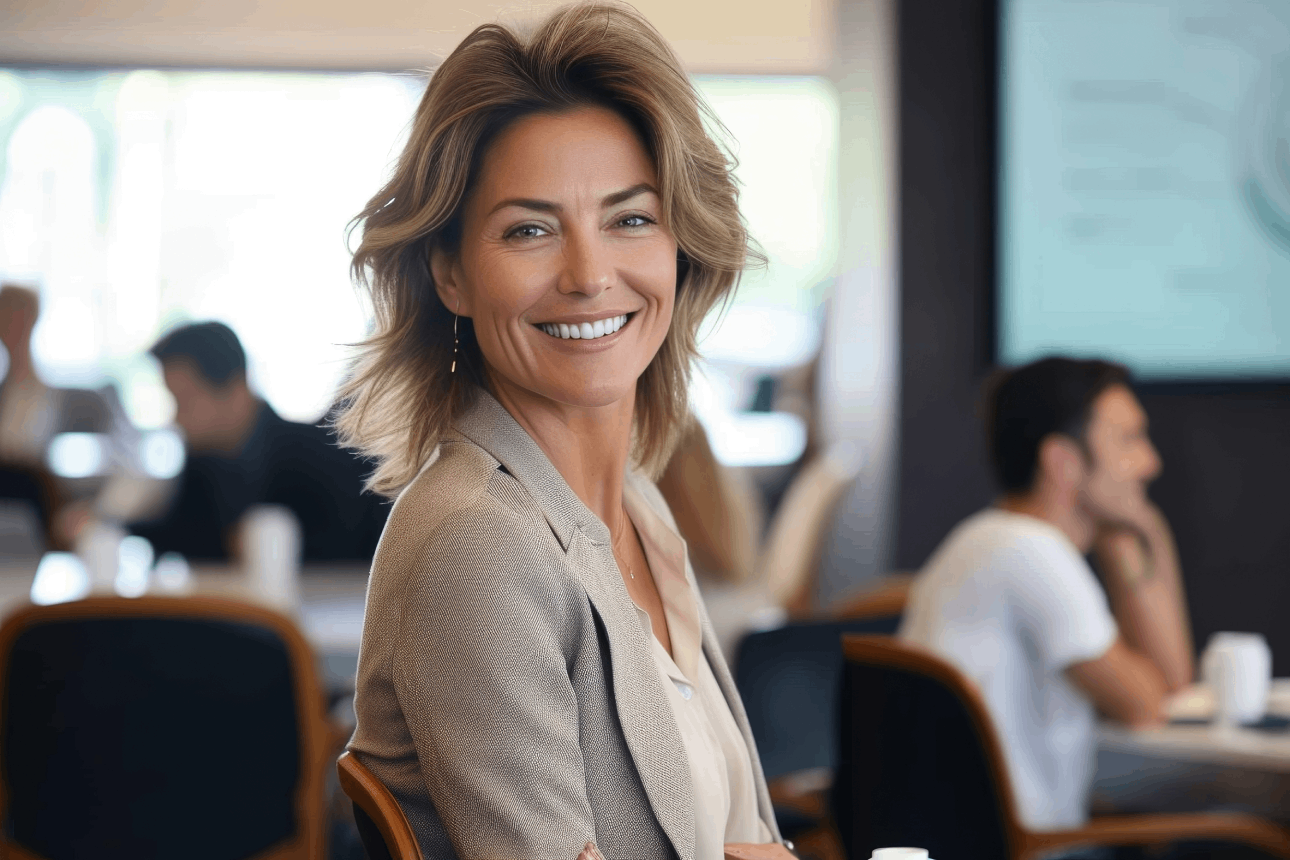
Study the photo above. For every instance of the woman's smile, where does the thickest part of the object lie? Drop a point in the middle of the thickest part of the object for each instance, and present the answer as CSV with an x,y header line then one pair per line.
x,y
600,327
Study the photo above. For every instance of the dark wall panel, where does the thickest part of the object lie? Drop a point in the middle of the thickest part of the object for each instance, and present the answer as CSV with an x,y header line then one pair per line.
x,y
946,264
1224,488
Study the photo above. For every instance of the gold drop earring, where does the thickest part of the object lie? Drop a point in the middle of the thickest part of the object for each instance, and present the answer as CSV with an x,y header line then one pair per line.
x,y
453,369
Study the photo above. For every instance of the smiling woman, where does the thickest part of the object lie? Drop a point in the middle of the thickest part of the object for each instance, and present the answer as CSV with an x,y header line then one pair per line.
x,y
537,673
563,228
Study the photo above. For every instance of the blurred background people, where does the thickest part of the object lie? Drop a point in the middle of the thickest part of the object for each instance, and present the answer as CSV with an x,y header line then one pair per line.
x,y
1009,598
31,412
242,454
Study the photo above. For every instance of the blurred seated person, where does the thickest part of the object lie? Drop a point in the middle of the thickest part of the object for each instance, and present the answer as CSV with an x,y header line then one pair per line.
x,y
716,510
718,513
241,453
32,413
1009,598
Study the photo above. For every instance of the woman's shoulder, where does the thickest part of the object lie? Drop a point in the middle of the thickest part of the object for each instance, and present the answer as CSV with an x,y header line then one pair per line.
x,y
467,553
464,517
461,485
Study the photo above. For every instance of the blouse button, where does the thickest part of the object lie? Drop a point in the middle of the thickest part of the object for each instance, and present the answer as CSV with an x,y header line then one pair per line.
x,y
685,689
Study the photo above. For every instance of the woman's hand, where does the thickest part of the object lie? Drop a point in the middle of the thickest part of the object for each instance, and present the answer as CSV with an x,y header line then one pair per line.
x,y
590,853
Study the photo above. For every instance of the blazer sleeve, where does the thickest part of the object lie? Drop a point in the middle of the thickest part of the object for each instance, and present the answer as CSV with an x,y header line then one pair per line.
x,y
480,670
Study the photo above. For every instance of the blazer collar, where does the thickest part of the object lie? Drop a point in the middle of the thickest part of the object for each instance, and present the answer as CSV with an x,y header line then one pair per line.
x,y
491,427
652,736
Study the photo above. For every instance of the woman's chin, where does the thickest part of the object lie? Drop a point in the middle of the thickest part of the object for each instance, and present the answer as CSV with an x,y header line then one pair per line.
x,y
597,398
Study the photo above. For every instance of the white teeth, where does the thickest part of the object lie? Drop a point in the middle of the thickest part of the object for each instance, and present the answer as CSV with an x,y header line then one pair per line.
x,y
585,331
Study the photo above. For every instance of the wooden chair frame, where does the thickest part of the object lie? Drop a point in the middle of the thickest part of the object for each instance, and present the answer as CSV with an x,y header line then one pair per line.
x,y
370,794
318,735
887,598
1114,830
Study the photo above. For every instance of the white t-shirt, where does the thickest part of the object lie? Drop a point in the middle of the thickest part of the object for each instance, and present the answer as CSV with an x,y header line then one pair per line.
x,y
1010,601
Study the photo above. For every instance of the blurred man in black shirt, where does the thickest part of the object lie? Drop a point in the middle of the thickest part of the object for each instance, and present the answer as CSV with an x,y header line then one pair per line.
x,y
241,453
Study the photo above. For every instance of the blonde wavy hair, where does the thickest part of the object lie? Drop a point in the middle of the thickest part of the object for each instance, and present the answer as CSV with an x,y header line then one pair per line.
x,y
400,397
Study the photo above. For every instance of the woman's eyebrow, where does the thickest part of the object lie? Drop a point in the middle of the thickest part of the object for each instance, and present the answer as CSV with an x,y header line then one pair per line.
x,y
627,194
548,206
527,203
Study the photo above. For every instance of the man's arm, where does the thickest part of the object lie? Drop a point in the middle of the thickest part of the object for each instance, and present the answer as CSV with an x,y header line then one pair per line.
x,y
1123,684
1139,563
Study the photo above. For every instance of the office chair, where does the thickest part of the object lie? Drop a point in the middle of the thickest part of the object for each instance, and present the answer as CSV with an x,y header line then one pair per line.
x,y
789,679
381,824
160,728
920,764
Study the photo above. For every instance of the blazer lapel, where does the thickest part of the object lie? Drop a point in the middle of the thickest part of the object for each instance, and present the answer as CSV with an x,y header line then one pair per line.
x,y
649,728
643,710
726,682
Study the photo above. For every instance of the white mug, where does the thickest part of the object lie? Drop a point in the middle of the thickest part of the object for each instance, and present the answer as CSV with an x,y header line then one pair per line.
x,y
99,546
271,544
1238,668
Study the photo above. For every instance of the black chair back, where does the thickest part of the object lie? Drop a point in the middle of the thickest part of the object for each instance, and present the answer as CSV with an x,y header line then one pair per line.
x,y
788,679
373,842
149,737
917,766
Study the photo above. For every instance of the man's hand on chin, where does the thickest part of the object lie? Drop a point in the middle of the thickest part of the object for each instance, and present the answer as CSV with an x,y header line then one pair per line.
x,y
1130,537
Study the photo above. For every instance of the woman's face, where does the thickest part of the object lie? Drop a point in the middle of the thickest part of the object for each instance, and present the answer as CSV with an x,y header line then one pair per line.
x,y
563,234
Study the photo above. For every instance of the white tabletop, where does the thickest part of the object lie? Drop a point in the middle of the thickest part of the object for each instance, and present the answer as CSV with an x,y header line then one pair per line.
x,y
1208,744
329,608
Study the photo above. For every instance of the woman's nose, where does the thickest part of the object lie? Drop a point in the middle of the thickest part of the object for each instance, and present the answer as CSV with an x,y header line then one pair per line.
x,y
588,268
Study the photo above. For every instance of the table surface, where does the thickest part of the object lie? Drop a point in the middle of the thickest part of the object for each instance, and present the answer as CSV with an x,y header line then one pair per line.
x,y
330,601
1207,744
329,605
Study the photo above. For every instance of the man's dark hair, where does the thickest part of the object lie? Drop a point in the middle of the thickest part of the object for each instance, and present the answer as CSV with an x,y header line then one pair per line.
x,y
1025,405
210,347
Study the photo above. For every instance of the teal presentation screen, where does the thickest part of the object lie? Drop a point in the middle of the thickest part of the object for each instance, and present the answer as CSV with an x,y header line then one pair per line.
x,y
1144,200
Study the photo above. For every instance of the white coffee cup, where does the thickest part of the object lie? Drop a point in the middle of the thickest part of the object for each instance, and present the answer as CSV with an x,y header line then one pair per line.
x,y
271,544
899,854
99,546
1238,668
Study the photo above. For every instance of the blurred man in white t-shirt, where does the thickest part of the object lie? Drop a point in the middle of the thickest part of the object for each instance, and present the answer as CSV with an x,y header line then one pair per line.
x,y
1009,598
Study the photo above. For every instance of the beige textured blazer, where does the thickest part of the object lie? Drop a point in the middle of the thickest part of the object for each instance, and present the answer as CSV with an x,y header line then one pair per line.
x,y
506,693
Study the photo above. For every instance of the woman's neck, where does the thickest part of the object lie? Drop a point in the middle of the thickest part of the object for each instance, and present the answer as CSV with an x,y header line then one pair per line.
x,y
588,445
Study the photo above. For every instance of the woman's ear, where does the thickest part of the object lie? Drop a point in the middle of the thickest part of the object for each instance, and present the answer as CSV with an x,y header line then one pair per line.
x,y
447,281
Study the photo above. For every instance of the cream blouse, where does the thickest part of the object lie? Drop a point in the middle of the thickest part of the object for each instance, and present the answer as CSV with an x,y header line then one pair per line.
x,y
724,790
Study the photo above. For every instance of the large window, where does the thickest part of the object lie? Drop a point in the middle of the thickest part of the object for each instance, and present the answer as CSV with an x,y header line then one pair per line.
x,y
138,199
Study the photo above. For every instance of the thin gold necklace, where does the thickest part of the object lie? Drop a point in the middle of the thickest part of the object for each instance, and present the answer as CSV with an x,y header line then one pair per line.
x,y
615,545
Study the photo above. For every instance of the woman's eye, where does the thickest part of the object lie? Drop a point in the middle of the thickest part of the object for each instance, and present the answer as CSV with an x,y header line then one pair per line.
x,y
634,221
526,231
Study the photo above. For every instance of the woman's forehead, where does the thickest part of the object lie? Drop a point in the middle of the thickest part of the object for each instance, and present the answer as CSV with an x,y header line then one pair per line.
x,y
588,152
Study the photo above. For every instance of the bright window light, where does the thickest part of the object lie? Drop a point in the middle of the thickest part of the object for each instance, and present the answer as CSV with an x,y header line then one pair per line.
x,y
134,563
193,195
757,438
161,453
60,577
78,455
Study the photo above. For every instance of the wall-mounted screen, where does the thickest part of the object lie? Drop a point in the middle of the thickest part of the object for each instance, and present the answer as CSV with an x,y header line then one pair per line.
x,y
1145,184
